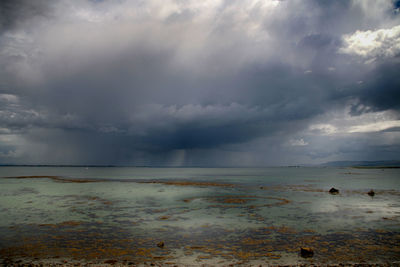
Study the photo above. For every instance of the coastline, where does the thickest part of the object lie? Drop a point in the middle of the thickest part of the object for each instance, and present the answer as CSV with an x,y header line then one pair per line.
x,y
67,262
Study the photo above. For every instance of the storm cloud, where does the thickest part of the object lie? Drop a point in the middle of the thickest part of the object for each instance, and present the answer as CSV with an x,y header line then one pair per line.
x,y
199,83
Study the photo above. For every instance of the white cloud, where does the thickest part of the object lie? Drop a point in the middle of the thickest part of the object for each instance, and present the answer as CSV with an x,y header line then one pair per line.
x,y
8,98
323,128
382,43
343,123
374,127
298,142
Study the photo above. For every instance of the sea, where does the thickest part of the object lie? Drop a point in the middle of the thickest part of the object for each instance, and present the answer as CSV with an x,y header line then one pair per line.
x,y
143,216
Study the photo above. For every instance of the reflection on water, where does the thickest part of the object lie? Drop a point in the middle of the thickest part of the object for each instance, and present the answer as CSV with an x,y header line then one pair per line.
x,y
216,216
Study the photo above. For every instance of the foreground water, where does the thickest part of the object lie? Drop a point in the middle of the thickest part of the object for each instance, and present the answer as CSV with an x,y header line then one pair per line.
x,y
192,216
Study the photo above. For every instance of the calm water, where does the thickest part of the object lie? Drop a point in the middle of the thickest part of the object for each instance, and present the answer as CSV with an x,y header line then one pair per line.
x,y
202,215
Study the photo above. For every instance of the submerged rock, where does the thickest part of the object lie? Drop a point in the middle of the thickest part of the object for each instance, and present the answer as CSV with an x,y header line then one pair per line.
x,y
306,252
334,191
160,244
371,193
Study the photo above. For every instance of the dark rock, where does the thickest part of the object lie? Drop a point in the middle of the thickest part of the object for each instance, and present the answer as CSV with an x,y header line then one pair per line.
x,y
160,244
111,262
306,252
334,191
371,193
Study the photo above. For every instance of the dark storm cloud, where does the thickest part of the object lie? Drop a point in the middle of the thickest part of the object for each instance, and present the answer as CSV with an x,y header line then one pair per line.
x,y
192,82
381,90
14,13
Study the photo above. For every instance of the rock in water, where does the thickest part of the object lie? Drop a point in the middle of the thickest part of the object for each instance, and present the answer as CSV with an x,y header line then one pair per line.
x,y
371,193
334,191
160,244
306,252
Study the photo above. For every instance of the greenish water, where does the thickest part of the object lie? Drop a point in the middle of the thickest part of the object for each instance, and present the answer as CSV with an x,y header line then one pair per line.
x,y
201,214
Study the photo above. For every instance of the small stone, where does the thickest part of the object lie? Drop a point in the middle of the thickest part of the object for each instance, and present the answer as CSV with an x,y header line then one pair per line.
x,y
371,193
306,252
111,262
334,191
160,244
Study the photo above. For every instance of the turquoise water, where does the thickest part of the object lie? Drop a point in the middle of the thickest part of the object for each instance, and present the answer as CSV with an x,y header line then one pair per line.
x,y
257,214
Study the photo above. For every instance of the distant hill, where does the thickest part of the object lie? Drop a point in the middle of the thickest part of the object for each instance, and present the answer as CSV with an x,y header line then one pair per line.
x,y
379,163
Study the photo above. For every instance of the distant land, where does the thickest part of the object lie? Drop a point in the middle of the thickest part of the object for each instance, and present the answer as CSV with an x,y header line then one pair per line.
x,y
355,164
364,164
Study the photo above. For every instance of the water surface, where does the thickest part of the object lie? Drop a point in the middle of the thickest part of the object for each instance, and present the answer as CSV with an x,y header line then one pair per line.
x,y
190,216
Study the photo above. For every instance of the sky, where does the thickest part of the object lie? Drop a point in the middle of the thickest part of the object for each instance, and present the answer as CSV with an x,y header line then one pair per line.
x,y
199,83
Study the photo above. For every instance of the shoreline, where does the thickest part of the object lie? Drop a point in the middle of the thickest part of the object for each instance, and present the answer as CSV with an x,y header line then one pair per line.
x,y
67,262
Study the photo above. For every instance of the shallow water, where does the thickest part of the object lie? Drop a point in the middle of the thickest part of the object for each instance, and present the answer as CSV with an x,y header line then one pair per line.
x,y
203,215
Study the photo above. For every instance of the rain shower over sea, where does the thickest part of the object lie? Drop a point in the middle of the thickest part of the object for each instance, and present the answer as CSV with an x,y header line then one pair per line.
x,y
196,216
